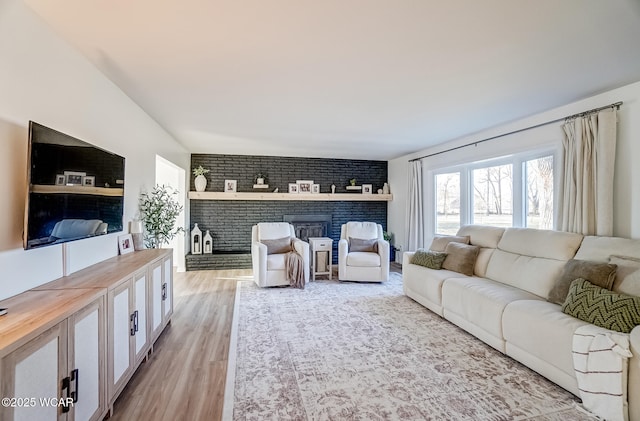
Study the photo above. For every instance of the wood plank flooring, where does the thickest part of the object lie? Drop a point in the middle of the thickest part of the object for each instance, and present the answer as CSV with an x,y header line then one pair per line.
x,y
184,379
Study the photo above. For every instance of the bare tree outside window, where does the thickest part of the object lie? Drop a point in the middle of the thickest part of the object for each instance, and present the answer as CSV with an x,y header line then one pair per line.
x,y
447,203
493,196
539,178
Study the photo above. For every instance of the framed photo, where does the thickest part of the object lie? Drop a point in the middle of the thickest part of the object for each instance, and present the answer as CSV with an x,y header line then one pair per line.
x,y
293,188
315,188
125,243
304,186
74,178
89,181
230,186
60,180
367,189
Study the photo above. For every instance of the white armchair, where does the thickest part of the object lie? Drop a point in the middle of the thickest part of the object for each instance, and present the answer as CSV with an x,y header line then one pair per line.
x,y
359,259
270,269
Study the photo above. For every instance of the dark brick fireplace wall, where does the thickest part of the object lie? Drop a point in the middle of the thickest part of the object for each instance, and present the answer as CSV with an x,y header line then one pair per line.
x,y
230,222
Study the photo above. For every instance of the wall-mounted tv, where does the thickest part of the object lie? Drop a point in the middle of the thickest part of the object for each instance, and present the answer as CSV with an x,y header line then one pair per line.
x,y
76,190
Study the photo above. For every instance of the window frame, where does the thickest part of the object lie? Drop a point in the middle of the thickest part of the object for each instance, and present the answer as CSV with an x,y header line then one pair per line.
x,y
519,194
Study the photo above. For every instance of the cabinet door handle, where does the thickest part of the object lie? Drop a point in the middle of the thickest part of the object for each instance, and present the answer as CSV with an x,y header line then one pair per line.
x,y
75,376
132,323
164,291
65,385
135,323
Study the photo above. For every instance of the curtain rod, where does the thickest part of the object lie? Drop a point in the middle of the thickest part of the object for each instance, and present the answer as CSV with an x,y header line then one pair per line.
x,y
615,105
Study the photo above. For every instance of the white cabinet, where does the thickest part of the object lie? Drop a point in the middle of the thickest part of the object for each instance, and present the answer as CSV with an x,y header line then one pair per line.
x,y
69,347
128,330
59,374
161,295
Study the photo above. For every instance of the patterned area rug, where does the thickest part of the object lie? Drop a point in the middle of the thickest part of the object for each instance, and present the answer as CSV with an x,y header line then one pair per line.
x,y
352,351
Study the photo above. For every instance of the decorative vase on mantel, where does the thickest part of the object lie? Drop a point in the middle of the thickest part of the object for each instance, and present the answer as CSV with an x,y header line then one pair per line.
x,y
200,182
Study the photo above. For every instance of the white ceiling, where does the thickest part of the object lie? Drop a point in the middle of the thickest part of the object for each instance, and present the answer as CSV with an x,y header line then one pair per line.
x,y
365,79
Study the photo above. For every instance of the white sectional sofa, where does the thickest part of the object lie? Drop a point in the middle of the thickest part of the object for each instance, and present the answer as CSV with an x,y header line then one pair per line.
x,y
505,302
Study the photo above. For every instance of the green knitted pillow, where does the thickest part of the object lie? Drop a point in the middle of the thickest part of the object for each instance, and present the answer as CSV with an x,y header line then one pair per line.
x,y
428,258
604,308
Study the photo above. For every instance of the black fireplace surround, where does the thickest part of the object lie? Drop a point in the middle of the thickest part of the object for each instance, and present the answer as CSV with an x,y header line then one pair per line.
x,y
230,221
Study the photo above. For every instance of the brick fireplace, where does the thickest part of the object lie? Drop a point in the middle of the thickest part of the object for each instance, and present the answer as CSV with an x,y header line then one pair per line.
x,y
230,221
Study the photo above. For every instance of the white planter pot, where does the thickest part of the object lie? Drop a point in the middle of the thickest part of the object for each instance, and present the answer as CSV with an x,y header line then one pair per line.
x,y
200,182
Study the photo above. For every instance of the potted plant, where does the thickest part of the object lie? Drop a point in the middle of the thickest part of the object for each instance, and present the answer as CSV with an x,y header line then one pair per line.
x,y
261,178
392,250
159,210
200,180
352,182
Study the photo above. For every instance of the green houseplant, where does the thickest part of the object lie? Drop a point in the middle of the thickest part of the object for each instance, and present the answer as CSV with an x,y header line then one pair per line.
x,y
200,181
159,210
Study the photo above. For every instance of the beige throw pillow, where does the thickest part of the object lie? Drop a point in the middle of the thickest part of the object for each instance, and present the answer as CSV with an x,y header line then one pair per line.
x,y
600,274
277,246
460,258
440,242
359,244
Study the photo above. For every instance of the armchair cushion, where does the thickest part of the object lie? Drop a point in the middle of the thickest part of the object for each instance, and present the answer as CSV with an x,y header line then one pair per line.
x,y
363,259
276,261
359,244
279,245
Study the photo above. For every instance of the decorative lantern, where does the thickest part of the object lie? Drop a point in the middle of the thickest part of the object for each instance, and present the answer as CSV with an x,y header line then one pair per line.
x,y
196,240
207,243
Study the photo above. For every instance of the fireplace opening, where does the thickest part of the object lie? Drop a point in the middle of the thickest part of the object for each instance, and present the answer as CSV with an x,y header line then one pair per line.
x,y
309,225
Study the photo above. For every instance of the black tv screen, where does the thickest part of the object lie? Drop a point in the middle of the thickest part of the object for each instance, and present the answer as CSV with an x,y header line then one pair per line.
x,y
76,190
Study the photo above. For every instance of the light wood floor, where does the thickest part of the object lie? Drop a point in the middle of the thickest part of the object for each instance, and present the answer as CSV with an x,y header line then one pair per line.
x,y
184,379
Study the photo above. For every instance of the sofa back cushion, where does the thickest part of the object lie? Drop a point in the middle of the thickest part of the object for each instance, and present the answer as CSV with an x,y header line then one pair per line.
x,y
532,259
487,238
623,252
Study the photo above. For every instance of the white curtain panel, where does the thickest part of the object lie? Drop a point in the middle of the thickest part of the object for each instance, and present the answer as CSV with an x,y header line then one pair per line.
x,y
415,210
586,178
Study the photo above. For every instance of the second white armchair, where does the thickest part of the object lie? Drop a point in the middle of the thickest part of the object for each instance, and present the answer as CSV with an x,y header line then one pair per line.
x,y
363,254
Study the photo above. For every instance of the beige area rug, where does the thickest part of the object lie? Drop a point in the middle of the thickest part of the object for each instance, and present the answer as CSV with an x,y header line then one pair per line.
x,y
352,351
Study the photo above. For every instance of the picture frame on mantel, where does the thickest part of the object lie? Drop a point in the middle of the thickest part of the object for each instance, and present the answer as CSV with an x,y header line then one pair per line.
x,y
304,186
230,186
315,188
367,189
125,244
293,188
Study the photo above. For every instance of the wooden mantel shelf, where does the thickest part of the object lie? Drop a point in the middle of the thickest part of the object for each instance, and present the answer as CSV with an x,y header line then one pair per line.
x,y
326,197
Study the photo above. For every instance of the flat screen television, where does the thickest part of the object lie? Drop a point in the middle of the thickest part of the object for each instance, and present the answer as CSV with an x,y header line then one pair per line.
x,y
76,190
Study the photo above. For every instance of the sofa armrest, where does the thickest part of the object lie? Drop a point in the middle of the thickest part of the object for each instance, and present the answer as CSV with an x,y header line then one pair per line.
x,y
406,257
634,375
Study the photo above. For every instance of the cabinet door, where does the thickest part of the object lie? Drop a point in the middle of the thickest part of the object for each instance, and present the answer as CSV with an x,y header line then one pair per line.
x,y
87,368
120,358
156,299
140,314
32,373
167,273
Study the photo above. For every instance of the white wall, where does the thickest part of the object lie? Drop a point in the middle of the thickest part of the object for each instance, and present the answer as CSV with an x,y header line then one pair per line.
x,y
45,80
626,191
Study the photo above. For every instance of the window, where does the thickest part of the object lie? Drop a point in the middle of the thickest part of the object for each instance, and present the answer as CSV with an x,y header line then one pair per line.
x,y
448,203
539,177
516,191
492,196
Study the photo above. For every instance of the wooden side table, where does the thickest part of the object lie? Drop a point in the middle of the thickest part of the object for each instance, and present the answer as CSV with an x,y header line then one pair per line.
x,y
320,245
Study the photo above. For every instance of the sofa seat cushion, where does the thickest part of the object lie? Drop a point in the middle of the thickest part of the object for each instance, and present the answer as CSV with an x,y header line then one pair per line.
x,y
276,261
542,329
426,282
481,301
363,259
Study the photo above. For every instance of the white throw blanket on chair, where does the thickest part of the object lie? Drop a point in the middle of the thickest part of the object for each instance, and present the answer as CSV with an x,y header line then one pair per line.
x,y
600,360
